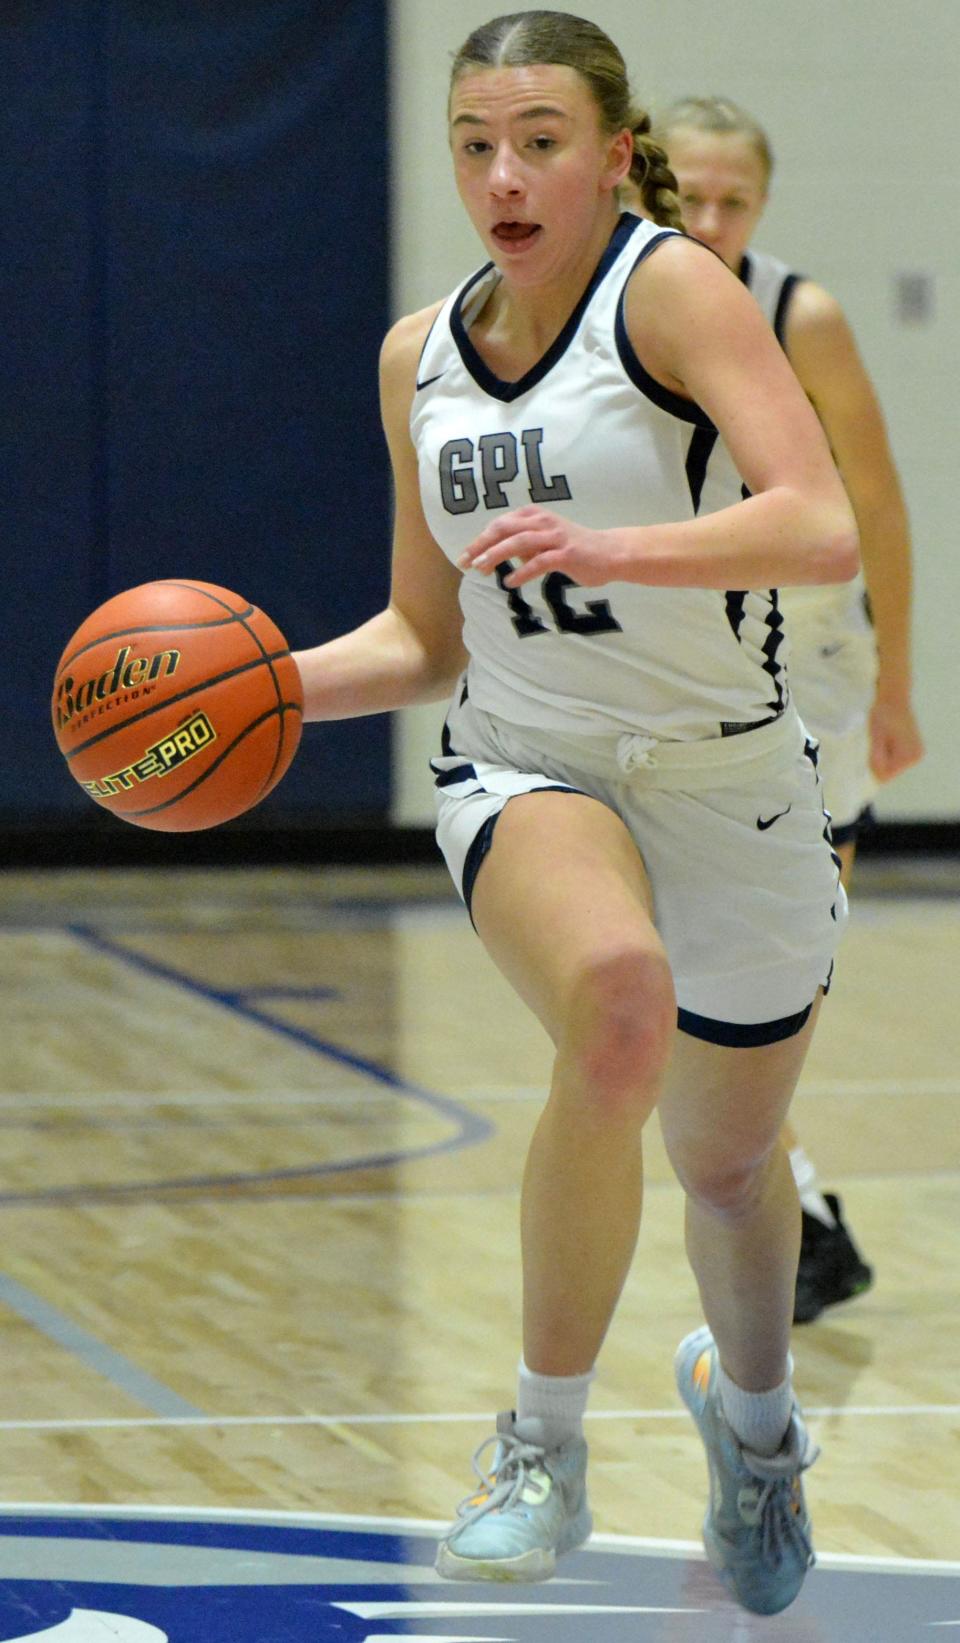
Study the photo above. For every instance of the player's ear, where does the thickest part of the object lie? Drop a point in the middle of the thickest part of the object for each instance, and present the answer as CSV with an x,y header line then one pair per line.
x,y
619,159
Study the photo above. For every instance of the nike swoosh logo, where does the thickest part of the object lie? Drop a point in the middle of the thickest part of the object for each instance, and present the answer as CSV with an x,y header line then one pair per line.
x,y
428,381
763,825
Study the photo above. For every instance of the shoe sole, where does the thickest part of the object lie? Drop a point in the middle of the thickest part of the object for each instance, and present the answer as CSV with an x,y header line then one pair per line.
x,y
539,1563
726,1578
532,1566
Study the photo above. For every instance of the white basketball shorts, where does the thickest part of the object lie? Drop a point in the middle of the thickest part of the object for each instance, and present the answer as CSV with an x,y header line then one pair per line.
x,y
732,833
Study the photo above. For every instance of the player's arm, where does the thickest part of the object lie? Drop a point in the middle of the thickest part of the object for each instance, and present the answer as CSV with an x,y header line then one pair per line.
x,y
412,651
699,333
824,354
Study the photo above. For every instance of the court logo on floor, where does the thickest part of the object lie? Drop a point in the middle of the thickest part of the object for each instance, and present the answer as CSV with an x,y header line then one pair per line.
x,y
155,1576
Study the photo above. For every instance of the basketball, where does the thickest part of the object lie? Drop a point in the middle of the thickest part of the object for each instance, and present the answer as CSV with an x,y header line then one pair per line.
x,y
177,705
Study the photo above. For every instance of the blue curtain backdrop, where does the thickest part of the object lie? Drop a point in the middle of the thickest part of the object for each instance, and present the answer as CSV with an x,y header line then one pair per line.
x,y
194,289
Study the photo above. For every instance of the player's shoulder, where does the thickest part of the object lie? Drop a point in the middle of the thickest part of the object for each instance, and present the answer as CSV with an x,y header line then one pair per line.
x,y
400,356
403,343
677,262
680,288
813,310
819,340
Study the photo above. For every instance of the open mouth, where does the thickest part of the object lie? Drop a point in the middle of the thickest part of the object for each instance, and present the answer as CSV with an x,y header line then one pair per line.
x,y
515,233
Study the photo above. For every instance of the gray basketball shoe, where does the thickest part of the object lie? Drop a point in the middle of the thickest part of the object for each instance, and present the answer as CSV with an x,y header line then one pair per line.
x,y
531,1506
756,1531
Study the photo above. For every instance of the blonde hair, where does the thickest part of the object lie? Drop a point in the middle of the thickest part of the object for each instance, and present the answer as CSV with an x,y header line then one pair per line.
x,y
719,116
526,37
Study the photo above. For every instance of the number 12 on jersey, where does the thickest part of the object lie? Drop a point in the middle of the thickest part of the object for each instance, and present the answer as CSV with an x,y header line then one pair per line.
x,y
597,618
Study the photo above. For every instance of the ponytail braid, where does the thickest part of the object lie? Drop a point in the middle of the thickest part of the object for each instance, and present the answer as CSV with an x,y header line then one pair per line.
x,y
652,178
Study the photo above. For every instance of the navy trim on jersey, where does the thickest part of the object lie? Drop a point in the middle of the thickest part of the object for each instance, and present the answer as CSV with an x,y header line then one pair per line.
x,y
740,1035
450,778
783,304
790,283
423,350
496,386
698,456
446,744
686,409
771,645
735,604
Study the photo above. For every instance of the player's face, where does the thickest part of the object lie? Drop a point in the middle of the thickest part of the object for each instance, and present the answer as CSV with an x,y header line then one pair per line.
x,y
533,167
722,187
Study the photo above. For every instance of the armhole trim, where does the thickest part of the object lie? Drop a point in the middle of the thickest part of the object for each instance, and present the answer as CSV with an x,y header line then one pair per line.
x,y
783,308
685,409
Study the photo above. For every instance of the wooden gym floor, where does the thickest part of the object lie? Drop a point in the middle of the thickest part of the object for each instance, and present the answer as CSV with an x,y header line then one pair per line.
x,y
262,1139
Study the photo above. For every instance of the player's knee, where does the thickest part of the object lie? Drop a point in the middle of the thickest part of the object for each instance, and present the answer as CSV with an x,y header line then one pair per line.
x,y
620,1025
728,1186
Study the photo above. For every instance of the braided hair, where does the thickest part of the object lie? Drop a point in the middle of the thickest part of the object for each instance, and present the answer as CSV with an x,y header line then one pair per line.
x,y
652,177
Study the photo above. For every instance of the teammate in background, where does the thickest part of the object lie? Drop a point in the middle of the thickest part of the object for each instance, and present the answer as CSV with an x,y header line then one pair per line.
x,y
849,644
626,797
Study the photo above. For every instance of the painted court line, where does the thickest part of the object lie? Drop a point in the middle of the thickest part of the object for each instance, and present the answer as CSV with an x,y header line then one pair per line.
x,y
353,1093
467,1128
144,1100
842,1088
614,1543
191,1417
113,1366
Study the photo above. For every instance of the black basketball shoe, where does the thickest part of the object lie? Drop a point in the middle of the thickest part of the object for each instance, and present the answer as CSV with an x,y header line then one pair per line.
x,y
831,1267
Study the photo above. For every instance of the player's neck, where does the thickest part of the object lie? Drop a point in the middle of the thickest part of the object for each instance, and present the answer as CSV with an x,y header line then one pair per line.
x,y
520,322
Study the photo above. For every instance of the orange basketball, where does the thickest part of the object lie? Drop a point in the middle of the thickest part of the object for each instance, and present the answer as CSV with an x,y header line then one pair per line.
x,y
177,705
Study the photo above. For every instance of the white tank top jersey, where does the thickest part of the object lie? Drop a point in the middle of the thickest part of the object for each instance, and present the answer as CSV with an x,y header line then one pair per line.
x,y
840,605
589,433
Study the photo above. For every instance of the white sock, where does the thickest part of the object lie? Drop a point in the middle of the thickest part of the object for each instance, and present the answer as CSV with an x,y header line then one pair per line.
x,y
759,1419
805,1175
557,1401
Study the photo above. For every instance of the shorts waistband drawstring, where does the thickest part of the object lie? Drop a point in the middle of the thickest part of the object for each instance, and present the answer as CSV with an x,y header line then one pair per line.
x,y
631,757
635,753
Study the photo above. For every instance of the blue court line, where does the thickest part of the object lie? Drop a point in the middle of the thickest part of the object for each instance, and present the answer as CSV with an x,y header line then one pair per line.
x,y
469,1128
113,1366
309,994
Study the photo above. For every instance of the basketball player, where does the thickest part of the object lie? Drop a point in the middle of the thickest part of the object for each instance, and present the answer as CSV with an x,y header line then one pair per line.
x,y
627,800
850,643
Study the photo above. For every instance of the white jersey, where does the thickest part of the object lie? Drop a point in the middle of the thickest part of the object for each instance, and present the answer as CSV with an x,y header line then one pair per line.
x,y
589,433
812,613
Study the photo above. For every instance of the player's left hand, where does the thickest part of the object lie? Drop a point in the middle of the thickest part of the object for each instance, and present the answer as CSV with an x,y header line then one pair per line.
x,y
895,739
543,542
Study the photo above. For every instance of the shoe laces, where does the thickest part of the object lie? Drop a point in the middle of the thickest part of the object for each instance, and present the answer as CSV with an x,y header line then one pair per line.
x,y
778,1512
502,1486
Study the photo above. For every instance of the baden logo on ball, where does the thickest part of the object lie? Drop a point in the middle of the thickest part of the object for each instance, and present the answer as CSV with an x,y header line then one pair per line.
x,y
177,705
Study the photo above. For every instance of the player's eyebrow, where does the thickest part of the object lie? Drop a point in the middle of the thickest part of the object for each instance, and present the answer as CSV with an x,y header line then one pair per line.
x,y
539,113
